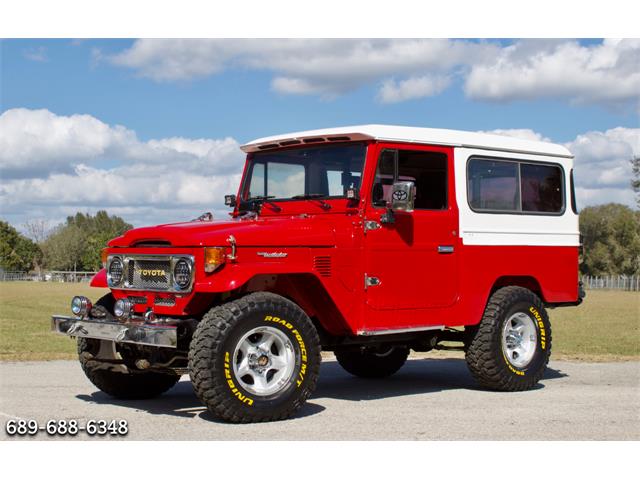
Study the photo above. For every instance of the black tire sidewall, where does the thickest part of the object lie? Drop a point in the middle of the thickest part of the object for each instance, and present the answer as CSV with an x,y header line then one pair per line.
x,y
293,326
541,356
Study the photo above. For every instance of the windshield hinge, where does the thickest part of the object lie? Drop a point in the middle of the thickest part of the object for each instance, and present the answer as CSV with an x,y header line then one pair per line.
x,y
371,225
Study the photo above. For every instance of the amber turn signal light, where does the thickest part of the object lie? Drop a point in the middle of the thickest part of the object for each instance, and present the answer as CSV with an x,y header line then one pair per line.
x,y
214,257
104,253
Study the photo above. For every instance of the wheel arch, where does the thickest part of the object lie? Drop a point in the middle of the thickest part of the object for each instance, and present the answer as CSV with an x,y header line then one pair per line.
x,y
305,290
525,281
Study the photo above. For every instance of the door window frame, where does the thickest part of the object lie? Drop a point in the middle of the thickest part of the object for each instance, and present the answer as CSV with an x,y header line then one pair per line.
x,y
450,181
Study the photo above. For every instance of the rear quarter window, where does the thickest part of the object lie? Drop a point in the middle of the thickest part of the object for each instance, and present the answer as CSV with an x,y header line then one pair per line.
x,y
541,187
513,186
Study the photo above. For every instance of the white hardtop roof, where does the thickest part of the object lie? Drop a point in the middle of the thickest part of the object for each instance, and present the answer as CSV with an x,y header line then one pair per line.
x,y
431,136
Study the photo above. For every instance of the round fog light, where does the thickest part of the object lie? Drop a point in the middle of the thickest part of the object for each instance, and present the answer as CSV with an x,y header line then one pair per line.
x,y
122,309
80,306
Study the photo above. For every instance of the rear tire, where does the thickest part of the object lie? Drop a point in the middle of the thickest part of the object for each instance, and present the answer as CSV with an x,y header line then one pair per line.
x,y
126,386
370,363
510,348
255,359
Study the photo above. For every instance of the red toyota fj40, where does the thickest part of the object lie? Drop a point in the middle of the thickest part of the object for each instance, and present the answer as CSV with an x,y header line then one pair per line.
x,y
367,241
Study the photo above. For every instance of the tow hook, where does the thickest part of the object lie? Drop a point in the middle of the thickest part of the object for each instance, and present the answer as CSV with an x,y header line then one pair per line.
x,y
76,328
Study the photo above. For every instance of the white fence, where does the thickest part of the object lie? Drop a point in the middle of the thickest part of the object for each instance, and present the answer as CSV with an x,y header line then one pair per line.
x,y
48,276
612,282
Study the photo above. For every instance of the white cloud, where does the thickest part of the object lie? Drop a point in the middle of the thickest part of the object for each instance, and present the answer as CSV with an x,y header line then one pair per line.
x,y
295,86
63,164
35,143
607,73
602,165
55,165
411,88
522,133
325,67
407,69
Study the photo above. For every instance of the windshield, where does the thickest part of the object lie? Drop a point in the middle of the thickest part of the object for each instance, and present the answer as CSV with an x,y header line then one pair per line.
x,y
323,171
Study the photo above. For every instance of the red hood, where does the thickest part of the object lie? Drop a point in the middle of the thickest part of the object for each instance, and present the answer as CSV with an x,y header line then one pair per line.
x,y
262,231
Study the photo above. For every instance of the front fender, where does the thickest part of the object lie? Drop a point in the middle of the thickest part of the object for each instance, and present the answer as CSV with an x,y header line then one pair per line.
x,y
99,280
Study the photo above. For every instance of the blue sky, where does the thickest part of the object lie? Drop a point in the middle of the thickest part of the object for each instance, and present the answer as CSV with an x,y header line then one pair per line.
x,y
240,103
581,93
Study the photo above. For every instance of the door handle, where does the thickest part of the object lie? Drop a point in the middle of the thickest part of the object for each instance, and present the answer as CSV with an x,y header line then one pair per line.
x,y
445,248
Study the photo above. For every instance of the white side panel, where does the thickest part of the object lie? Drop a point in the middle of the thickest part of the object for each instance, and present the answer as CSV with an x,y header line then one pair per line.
x,y
521,229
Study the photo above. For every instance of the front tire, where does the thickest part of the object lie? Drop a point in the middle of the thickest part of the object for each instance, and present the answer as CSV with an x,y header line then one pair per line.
x,y
373,363
255,359
125,386
510,348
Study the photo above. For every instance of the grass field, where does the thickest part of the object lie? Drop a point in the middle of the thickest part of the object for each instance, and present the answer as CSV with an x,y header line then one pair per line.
x,y
25,319
605,327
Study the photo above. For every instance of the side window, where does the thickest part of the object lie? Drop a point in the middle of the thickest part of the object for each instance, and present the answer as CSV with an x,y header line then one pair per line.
x,y
428,170
493,185
541,188
513,186
385,175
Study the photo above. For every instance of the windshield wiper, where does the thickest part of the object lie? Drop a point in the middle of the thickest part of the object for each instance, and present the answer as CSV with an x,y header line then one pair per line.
x,y
260,199
314,196
307,196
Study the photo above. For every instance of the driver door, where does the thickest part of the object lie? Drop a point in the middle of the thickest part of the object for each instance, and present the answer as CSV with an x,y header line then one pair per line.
x,y
411,264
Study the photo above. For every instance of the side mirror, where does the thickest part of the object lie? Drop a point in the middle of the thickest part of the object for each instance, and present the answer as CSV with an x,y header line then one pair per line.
x,y
403,195
230,200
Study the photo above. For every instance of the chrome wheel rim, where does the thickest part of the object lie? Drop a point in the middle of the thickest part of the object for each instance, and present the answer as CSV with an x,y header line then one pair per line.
x,y
519,339
263,361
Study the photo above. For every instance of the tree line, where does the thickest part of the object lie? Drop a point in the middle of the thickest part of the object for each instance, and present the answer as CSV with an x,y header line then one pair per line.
x,y
72,246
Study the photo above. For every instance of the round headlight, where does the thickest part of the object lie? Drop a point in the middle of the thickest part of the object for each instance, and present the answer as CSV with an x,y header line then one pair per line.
x,y
116,269
80,306
182,273
122,309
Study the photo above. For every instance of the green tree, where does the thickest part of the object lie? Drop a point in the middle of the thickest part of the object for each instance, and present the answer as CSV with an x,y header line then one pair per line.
x,y
76,244
17,252
64,248
611,236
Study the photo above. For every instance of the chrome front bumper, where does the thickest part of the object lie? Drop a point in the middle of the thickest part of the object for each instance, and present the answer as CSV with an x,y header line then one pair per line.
x,y
140,334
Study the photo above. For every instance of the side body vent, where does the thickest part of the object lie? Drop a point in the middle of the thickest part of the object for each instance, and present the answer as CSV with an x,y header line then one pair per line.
x,y
322,265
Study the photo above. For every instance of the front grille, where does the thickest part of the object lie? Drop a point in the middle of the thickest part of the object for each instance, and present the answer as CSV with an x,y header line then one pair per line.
x,y
153,274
